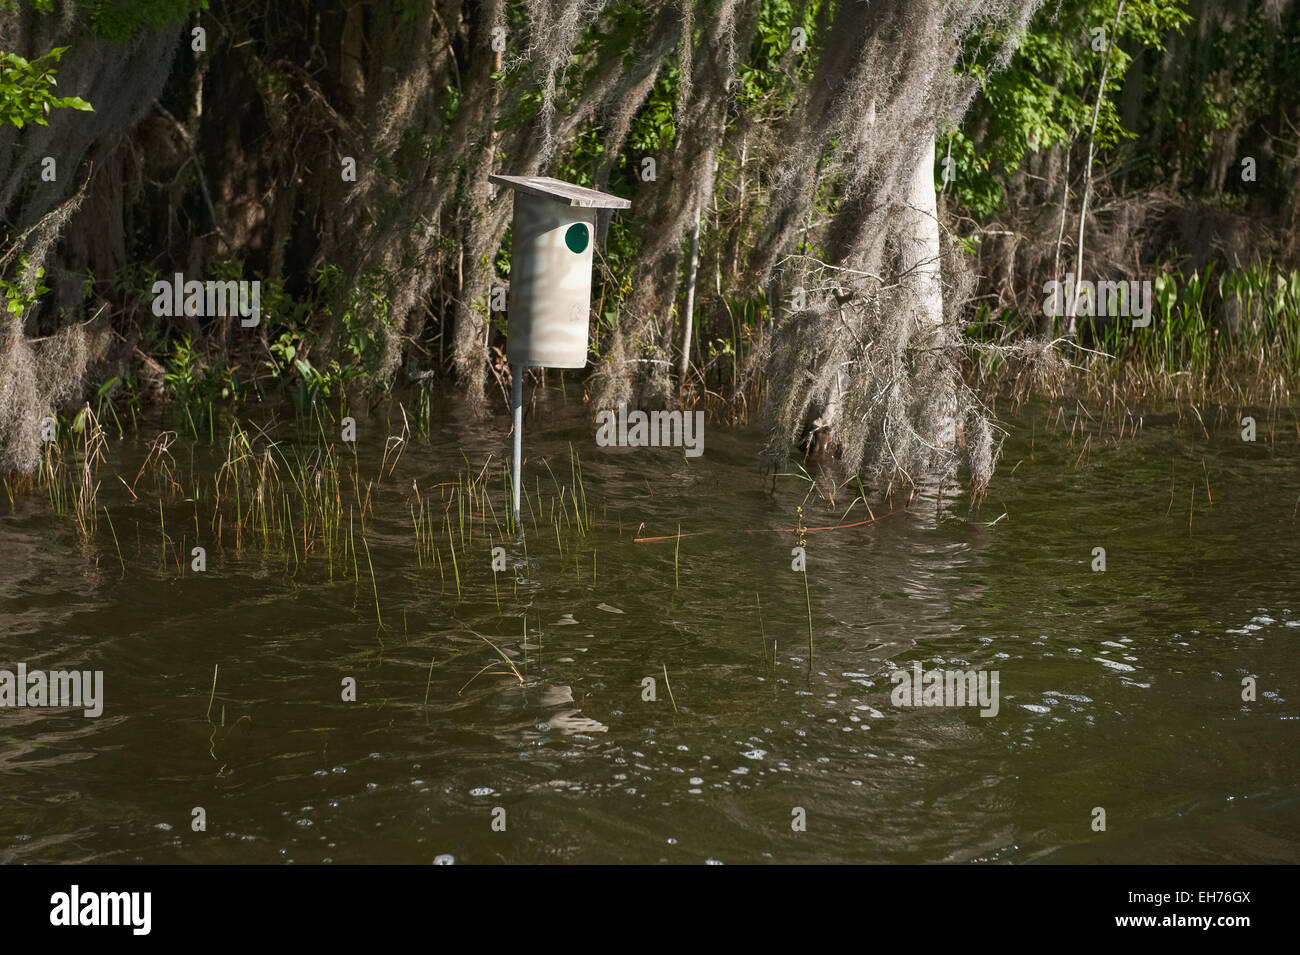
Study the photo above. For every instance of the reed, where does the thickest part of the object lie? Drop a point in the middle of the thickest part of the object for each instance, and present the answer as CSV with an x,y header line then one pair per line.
x,y
677,547
669,687
115,541
769,666
513,669
495,592
212,695
803,542
85,492
455,565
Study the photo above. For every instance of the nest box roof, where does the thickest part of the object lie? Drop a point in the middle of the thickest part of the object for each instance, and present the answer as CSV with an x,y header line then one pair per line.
x,y
565,193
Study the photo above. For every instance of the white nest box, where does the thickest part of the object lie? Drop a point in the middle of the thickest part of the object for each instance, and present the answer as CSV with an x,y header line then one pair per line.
x,y
553,232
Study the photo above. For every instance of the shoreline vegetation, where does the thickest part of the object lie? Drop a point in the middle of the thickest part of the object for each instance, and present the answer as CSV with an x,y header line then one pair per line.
x,y
1228,338
840,217
295,486
1218,345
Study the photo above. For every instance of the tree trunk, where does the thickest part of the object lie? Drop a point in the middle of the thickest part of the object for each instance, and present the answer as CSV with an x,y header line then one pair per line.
x,y
1087,174
919,240
688,316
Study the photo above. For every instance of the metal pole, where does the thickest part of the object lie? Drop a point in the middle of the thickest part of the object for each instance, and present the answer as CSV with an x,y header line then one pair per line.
x,y
517,407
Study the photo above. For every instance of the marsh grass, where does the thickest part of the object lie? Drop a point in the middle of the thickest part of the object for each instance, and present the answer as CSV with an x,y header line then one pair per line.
x,y
1219,336
297,496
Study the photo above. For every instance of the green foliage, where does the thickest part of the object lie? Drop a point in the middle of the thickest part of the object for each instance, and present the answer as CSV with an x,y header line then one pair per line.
x,y
119,20
1245,66
10,7
764,78
1238,322
17,299
360,312
1046,94
365,309
182,376
27,89
974,181
653,131
196,385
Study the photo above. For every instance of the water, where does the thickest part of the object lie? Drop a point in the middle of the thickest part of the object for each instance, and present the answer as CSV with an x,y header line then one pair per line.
x,y
1120,690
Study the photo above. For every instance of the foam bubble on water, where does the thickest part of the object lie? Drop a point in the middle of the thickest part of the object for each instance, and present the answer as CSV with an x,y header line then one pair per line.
x,y
1072,697
482,791
1115,664
444,858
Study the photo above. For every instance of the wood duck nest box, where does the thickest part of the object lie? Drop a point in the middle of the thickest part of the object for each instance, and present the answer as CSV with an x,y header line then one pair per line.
x,y
553,231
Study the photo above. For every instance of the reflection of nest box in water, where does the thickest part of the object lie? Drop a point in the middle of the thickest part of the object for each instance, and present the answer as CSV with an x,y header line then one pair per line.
x,y
550,269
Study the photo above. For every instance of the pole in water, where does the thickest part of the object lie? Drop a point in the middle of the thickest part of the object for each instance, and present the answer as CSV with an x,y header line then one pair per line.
x,y
551,254
517,408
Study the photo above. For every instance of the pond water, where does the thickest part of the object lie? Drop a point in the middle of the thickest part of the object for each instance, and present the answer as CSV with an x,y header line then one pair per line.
x,y
1119,689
